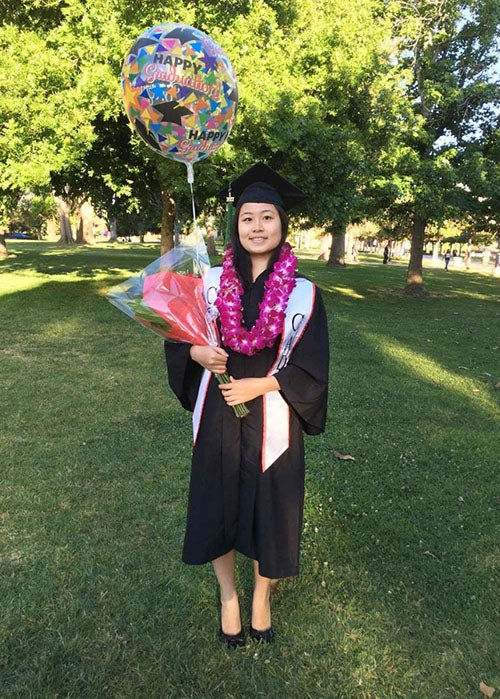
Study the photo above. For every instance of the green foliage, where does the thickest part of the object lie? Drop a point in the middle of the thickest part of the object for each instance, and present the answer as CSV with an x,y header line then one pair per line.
x,y
33,211
8,203
41,15
375,108
312,97
445,50
307,90
480,173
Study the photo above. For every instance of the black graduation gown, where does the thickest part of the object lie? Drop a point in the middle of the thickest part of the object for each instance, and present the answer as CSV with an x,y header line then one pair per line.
x,y
232,504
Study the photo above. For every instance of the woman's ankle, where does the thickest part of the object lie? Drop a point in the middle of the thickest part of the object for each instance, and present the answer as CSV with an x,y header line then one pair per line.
x,y
261,614
230,615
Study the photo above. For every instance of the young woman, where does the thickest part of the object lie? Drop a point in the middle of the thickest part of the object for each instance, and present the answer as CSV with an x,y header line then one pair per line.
x,y
247,477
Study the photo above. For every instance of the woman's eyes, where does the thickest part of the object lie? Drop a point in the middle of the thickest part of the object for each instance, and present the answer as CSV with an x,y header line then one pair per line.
x,y
248,219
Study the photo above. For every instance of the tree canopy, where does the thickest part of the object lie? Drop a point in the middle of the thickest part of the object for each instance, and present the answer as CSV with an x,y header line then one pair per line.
x,y
445,52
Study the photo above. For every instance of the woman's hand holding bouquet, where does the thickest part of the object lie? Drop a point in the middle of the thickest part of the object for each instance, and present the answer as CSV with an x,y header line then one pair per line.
x,y
212,358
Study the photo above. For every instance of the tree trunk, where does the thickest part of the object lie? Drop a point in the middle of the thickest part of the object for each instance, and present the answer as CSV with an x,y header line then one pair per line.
x,y
167,220
210,237
414,277
3,245
52,230
349,245
337,251
113,235
325,245
85,231
63,213
496,268
467,254
79,230
435,251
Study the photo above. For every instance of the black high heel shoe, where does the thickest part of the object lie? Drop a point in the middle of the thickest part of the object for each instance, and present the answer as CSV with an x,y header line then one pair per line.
x,y
266,636
232,641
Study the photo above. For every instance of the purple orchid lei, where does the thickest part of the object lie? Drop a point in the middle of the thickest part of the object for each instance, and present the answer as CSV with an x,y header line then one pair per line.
x,y
269,324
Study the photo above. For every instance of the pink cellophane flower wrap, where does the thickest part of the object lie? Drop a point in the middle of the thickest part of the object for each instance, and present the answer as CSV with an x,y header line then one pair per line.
x,y
179,300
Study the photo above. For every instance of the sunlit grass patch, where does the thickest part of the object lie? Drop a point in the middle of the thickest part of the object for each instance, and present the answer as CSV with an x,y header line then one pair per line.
x,y
432,371
346,291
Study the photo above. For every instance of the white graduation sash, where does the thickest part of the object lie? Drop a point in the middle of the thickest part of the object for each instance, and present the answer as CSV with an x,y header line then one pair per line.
x,y
276,412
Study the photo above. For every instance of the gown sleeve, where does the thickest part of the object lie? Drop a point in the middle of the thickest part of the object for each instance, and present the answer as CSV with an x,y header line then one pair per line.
x,y
304,381
184,374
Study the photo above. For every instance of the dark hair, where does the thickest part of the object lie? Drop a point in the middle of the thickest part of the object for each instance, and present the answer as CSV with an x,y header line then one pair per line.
x,y
242,261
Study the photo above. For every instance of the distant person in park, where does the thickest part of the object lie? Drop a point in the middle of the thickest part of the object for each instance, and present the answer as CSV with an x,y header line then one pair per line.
x,y
247,475
387,254
447,258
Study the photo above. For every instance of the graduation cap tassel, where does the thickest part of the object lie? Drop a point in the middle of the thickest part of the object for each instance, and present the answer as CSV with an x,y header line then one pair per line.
x,y
229,217
190,179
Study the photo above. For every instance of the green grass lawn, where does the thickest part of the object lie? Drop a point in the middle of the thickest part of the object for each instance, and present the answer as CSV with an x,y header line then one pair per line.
x,y
398,592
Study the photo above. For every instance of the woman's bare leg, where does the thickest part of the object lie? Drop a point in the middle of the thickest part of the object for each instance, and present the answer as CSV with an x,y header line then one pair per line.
x,y
224,568
261,606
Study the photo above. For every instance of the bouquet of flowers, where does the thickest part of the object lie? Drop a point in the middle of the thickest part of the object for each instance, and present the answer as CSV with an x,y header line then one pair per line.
x,y
167,297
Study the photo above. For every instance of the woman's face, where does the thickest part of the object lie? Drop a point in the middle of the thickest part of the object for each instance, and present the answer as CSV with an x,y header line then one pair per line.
x,y
259,229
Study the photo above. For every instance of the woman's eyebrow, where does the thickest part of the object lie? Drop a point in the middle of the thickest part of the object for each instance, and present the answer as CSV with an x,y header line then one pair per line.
x,y
251,213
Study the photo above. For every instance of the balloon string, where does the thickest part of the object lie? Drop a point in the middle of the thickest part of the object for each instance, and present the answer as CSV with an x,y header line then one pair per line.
x,y
192,203
190,179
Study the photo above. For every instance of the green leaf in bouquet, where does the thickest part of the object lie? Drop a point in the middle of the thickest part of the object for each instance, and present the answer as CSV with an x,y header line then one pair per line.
x,y
144,312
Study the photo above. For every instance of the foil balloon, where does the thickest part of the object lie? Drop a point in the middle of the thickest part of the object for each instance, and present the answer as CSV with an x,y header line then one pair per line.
x,y
180,92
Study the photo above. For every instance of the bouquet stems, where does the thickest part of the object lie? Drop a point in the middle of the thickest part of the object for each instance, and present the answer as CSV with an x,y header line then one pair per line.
x,y
241,409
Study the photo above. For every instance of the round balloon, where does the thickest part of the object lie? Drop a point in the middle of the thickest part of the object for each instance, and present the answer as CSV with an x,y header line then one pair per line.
x,y
180,91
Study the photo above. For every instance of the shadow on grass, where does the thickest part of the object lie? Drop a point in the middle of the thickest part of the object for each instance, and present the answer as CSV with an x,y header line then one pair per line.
x,y
404,536
79,260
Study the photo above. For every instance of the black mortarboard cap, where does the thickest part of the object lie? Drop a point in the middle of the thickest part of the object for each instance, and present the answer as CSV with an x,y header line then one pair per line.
x,y
262,184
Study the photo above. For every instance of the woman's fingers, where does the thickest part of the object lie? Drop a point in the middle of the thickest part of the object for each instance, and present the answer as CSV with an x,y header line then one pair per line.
x,y
244,390
240,390
212,358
